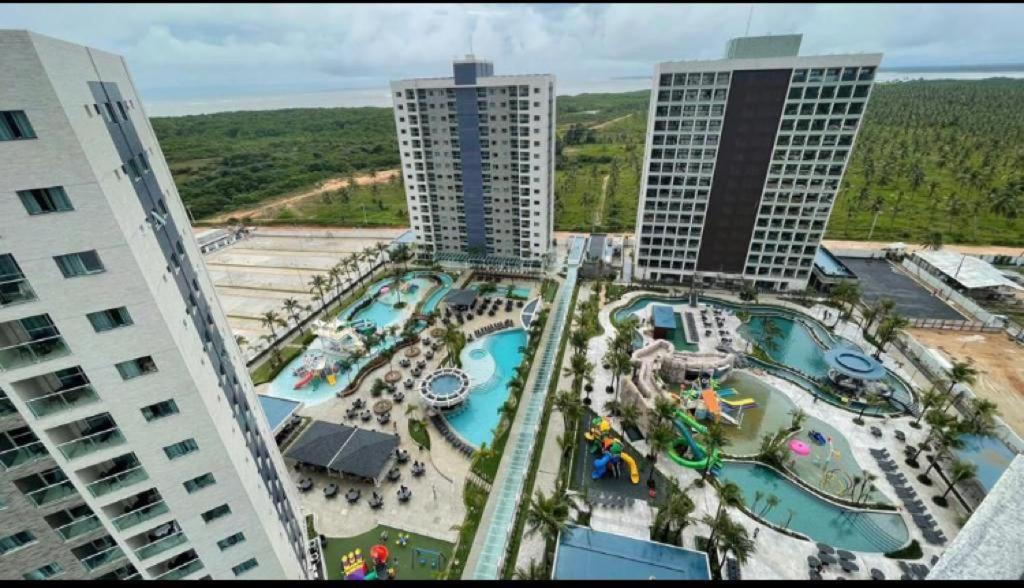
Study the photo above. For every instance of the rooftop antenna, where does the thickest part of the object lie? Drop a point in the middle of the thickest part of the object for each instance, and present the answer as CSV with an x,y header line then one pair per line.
x,y
750,15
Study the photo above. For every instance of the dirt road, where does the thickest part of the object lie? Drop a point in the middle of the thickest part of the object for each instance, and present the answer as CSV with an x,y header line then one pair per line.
x,y
834,244
325,186
608,122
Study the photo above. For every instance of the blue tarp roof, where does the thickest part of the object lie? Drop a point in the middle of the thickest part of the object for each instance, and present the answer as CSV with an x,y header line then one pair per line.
x,y
278,410
663,317
586,554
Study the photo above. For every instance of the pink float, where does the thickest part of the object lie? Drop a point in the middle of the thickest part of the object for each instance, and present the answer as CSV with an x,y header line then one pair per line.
x,y
799,447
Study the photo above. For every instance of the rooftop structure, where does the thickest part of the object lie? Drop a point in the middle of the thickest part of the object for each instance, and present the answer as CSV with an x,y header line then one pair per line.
x,y
477,156
586,554
966,271
743,160
125,392
344,450
990,545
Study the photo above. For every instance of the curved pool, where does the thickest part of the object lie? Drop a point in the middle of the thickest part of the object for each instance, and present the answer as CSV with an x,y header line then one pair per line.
x,y
490,362
815,517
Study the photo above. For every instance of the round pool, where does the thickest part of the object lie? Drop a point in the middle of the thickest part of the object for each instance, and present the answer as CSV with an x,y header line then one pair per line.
x,y
477,354
445,388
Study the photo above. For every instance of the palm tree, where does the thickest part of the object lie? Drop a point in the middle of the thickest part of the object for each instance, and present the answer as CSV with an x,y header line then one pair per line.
x,y
454,340
929,400
958,472
673,516
291,308
270,319
758,496
888,330
241,341
578,341
535,571
732,537
933,240
659,439
714,439
547,515
568,403
797,418
845,293
579,368
664,409
729,494
317,286
629,414
334,277
946,440
938,421
870,397
962,372
983,415
619,363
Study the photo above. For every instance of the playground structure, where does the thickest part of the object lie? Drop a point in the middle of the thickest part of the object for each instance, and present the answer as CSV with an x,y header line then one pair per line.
x,y
345,339
603,442
355,567
700,459
707,399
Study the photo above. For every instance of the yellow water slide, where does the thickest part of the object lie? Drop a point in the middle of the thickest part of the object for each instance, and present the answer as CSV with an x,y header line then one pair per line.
x,y
634,473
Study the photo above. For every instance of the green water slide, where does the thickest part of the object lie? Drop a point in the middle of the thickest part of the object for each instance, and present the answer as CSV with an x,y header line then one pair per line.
x,y
684,422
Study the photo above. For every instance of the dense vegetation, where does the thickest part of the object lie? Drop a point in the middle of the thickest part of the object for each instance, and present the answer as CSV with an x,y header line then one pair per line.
x,y
933,156
229,160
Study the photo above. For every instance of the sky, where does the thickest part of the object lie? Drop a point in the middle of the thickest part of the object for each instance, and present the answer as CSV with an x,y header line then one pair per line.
x,y
188,51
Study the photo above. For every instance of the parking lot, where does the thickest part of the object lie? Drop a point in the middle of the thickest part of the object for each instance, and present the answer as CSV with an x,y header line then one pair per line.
x,y
879,279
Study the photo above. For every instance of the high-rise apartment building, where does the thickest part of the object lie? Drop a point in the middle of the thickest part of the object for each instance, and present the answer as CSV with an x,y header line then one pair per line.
x,y
478,153
132,444
743,160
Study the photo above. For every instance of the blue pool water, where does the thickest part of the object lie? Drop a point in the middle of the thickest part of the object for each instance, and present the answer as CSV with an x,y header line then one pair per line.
x,y
818,519
989,454
383,314
489,374
444,386
518,291
586,554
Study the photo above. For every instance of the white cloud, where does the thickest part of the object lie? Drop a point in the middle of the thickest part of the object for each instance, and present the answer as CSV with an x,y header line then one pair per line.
x,y
184,49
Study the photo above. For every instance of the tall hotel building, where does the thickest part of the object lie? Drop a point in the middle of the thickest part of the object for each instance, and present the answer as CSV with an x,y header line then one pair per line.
x,y
478,155
132,445
743,160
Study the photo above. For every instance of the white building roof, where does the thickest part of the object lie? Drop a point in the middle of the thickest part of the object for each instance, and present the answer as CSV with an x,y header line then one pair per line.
x,y
990,545
971,272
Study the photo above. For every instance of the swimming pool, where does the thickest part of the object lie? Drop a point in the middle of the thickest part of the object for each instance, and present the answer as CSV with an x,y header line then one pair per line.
x,y
490,362
382,313
989,454
519,291
810,515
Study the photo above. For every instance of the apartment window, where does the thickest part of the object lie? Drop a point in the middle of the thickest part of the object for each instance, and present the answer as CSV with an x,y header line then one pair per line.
x,y
16,541
216,513
231,541
14,125
245,566
106,320
197,484
48,571
159,410
181,449
120,106
134,368
44,200
83,263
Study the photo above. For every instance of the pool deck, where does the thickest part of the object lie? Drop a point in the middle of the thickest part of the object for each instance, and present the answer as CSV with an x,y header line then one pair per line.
x,y
780,556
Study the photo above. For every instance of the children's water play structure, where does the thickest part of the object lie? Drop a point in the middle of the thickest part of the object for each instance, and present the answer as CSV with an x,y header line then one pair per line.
x,y
609,449
355,567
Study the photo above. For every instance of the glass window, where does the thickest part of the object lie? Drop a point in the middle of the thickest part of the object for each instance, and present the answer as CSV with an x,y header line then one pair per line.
x,y
216,513
113,318
16,541
82,263
160,410
134,368
48,571
181,449
43,200
231,541
198,483
245,566
14,125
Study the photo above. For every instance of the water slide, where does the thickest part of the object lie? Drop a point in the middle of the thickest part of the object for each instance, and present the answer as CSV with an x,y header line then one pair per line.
x,y
305,380
741,403
634,473
684,423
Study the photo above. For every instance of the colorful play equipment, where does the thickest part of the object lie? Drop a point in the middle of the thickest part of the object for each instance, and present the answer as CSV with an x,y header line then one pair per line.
x,y
799,447
685,423
706,398
354,567
603,442
817,437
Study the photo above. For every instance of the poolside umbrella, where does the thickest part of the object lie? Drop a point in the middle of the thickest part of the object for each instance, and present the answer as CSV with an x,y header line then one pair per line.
x,y
825,548
876,574
846,555
799,447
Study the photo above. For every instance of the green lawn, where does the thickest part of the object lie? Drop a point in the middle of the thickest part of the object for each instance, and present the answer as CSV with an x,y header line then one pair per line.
x,y
401,558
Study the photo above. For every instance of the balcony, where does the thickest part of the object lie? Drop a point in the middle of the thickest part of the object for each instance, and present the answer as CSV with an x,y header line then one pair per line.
x,y
137,509
178,567
56,392
117,478
52,493
19,447
14,288
74,522
28,341
158,540
87,436
6,406
99,553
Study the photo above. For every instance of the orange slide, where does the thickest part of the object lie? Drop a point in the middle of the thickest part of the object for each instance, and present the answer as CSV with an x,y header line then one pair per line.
x,y
711,401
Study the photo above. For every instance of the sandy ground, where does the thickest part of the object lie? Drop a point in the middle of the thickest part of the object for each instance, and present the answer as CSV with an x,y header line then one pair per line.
x,y
969,249
325,186
1000,361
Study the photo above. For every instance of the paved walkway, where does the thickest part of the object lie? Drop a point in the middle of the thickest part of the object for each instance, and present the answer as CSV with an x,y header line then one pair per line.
x,y
491,541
